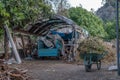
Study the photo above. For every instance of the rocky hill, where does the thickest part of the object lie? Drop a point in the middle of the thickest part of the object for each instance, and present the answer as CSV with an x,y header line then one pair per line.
x,y
107,11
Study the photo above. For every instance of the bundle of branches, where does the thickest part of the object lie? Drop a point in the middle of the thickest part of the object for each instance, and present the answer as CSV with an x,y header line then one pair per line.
x,y
7,73
90,45
98,46
111,56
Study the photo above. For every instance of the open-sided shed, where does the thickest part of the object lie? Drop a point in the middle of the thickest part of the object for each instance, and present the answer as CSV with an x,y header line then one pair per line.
x,y
41,27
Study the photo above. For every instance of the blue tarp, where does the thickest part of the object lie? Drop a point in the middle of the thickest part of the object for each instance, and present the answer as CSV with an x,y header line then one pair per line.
x,y
65,36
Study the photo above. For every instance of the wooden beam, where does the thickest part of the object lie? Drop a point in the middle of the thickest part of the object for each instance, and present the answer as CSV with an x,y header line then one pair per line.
x,y
26,32
23,45
17,57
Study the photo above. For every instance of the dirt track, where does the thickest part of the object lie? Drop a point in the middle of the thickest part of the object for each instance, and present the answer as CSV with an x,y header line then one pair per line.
x,y
59,70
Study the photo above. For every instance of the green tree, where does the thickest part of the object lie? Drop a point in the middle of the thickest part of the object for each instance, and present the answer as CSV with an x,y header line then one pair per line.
x,y
21,12
88,21
110,29
59,6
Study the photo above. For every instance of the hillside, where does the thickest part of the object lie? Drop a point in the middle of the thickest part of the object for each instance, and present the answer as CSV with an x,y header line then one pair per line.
x,y
107,11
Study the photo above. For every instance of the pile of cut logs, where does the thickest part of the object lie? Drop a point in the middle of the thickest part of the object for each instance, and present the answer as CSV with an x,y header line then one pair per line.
x,y
7,73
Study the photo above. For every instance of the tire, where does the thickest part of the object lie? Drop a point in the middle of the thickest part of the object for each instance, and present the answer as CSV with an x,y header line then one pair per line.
x,y
58,57
99,65
88,68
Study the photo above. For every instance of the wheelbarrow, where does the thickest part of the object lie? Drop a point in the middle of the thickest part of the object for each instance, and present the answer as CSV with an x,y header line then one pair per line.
x,y
92,58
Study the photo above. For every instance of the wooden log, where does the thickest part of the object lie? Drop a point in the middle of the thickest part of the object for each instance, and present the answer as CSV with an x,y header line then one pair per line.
x,y
13,45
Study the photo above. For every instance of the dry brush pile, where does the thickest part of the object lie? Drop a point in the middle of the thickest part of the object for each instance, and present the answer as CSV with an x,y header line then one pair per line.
x,y
98,46
7,73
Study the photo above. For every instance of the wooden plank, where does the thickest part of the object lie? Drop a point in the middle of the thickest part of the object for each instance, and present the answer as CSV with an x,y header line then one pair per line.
x,y
26,32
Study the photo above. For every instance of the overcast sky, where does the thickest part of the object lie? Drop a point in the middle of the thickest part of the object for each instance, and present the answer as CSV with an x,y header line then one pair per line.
x,y
87,4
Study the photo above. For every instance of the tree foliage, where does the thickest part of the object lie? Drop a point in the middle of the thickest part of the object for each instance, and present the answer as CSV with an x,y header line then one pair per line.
x,y
110,29
21,12
107,13
87,20
59,6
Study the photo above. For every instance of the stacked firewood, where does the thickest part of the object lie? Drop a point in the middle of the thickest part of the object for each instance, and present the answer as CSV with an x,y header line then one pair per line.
x,y
7,73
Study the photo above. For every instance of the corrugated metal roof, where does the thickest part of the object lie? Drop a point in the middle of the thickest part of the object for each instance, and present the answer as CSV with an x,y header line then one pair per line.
x,y
41,27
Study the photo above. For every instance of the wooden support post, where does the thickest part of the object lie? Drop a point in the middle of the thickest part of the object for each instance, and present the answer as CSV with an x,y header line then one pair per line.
x,y
6,47
13,45
30,45
22,39
14,39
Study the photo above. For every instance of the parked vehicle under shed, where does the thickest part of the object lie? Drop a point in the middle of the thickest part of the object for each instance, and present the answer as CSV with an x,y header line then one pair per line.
x,y
68,31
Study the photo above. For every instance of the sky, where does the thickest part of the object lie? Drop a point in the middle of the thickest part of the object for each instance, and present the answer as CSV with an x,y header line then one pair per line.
x,y
87,4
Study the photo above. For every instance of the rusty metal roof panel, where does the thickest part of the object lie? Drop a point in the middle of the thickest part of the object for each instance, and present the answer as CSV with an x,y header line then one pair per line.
x,y
41,27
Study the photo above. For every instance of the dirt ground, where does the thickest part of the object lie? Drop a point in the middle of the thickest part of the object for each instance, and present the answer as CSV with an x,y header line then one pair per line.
x,y
59,70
